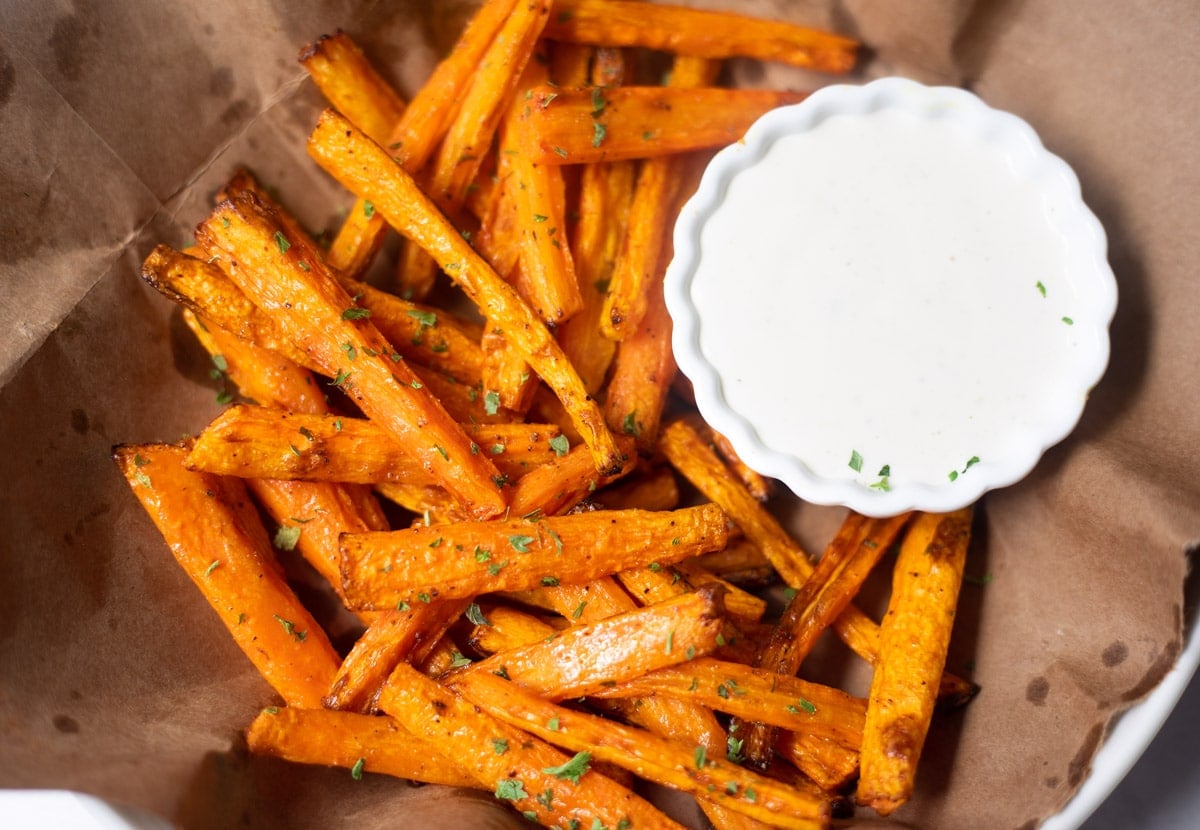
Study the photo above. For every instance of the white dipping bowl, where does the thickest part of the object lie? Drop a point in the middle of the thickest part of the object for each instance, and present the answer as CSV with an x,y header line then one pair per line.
x,y
890,297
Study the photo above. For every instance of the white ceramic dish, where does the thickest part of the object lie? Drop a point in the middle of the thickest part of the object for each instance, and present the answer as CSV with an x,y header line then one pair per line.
x,y
890,297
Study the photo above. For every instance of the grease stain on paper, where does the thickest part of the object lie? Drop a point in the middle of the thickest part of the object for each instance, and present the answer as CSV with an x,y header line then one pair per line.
x,y
1037,690
1115,654
8,78
67,40
66,725
1083,758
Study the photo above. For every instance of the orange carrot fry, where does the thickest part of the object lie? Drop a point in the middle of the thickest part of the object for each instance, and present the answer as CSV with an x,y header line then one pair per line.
x,y
364,168
468,558
352,85
584,660
560,484
550,786
360,743
289,278
830,764
646,755
509,628
844,565
641,375
706,34
758,486
914,637
216,536
258,442
643,122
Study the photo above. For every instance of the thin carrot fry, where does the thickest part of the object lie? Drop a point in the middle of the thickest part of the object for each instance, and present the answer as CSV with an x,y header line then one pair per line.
x,y
706,34
216,536
352,85
364,168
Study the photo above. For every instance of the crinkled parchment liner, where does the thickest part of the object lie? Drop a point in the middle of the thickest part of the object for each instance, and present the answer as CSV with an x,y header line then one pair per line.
x,y
117,123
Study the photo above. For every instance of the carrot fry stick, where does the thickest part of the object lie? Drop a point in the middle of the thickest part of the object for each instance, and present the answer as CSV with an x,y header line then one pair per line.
x,y
758,486
468,558
473,129
355,742
706,34
641,375
830,764
364,168
352,85
257,442
395,635
505,371
740,562
215,534
846,562
289,278
914,637
641,258
508,628
654,584
643,122
655,489
653,758
787,702
415,136
560,484
586,659
549,786
430,502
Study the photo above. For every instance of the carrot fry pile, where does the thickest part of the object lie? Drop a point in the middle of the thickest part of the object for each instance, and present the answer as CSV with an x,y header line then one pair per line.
x,y
553,562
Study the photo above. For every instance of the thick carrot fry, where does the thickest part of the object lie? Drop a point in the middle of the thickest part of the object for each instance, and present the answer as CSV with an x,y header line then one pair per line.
x,y
416,135
740,562
643,122
787,702
540,781
653,758
830,764
352,85
653,489
364,168
257,442
705,34
586,659
641,375
651,215
509,628
469,558
217,538
361,743
288,278
654,584
846,562
557,486
914,637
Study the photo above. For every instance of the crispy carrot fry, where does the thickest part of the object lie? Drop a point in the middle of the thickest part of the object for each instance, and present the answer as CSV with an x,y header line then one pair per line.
x,y
560,484
651,215
653,758
914,637
355,742
706,34
257,442
786,702
216,536
468,558
505,371
586,659
430,502
641,375
546,277
364,168
474,127
508,628
846,562
643,122
654,584
352,85
740,562
394,636
289,278
551,787
606,191
415,137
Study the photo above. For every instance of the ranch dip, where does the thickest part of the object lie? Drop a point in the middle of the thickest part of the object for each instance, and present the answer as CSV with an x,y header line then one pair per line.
x,y
894,300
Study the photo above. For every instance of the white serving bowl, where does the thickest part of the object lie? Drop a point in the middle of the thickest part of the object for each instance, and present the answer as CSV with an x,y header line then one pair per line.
x,y
890,297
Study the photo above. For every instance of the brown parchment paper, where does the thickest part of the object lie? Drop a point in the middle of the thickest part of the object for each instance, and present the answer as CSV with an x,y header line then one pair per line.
x,y
118,120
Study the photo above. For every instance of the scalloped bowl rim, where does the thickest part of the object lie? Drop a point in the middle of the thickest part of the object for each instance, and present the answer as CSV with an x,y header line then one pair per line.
x,y
1018,140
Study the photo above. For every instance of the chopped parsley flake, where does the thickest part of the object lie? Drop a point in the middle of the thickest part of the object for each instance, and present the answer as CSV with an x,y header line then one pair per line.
x,y
458,660
700,755
630,425
1068,321
286,537
520,543
856,461
573,769
212,566
560,444
356,313
341,378
290,628
356,771
495,568
475,614
282,242
491,402
510,789
499,746
426,319
368,208
599,133
1041,288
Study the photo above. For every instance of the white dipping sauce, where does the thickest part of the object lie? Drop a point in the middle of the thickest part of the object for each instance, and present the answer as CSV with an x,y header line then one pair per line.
x,y
885,287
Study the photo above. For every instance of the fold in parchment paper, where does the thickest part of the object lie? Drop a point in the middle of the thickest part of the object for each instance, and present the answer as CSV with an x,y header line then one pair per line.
x,y
118,121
